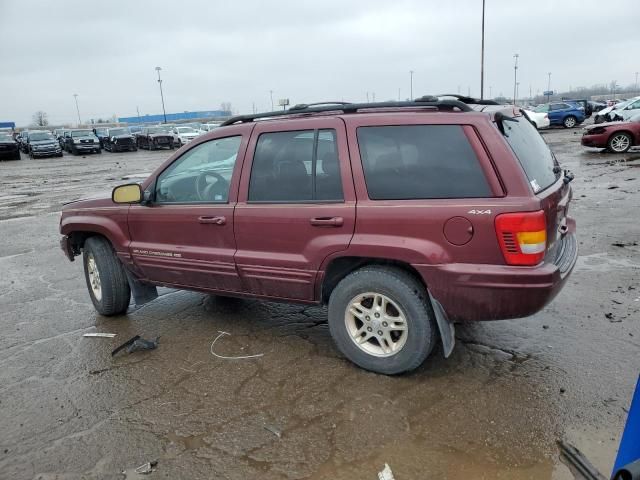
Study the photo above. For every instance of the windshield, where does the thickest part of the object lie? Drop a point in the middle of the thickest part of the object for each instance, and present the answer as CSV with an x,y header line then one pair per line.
x,y
532,152
185,130
5,138
81,133
541,108
118,131
101,131
157,130
37,136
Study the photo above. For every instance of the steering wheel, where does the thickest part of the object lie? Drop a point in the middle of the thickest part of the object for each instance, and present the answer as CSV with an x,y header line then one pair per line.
x,y
205,189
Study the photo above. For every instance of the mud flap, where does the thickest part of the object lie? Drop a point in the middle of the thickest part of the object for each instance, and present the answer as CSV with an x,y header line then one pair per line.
x,y
447,330
142,292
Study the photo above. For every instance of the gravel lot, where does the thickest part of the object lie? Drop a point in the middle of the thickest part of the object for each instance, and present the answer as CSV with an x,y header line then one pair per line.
x,y
495,409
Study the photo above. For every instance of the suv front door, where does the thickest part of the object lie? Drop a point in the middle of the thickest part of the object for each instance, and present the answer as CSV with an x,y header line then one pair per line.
x,y
296,206
184,237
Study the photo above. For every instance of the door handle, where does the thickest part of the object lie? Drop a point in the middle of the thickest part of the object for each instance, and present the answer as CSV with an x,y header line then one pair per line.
x,y
327,221
213,220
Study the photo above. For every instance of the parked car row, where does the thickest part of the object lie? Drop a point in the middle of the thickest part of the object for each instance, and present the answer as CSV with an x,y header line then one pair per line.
x,y
38,143
616,137
621,111
566,114
9,148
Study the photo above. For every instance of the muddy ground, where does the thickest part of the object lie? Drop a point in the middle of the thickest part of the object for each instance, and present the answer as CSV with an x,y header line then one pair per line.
x,y
494,410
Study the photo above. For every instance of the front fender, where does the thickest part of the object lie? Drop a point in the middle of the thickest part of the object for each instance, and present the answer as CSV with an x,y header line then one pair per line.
x,y
113,226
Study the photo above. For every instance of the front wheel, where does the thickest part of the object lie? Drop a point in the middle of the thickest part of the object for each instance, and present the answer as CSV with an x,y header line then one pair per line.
x,y
381,319
570,121
619,142
106,279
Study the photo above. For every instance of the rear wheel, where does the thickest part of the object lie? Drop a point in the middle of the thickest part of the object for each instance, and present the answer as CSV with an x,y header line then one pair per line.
x,y
105,276
381,319
570,121
619,142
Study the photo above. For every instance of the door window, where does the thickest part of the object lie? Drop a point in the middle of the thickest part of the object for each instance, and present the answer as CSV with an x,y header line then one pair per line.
x,y
420,162
296,167
201,175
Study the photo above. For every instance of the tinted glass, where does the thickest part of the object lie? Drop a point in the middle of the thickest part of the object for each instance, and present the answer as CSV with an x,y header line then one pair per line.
x,y
5,138
285,168
420,162
201,175
532,152
118,131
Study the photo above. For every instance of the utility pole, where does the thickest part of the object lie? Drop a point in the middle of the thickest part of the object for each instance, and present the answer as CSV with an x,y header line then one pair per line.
x,y
517,88
253,107
549,88
138,110
411,85
373,97
482,57
490,94
515,77
636,83
271,96
164,113
398,94
75,95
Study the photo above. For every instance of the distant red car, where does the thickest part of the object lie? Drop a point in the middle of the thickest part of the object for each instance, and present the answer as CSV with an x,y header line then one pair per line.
x,y
617,137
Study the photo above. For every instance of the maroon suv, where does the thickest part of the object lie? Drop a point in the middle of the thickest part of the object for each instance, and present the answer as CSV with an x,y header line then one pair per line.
x,y
403,217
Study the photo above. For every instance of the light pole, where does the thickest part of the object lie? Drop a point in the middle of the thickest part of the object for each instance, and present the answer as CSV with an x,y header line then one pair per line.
x,y
517,89
411,85
164,113
271,96
636,83
549,88
75,95
490,94
482,57
515,76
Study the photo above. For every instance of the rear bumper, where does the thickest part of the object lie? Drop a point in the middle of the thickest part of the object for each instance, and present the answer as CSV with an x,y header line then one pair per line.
x,y
472,292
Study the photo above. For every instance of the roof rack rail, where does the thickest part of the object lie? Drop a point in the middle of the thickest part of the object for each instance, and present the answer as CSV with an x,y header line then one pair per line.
x,y
308,109
471,100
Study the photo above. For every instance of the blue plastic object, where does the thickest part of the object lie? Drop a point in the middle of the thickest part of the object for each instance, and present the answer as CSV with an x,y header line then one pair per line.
x,y
629,449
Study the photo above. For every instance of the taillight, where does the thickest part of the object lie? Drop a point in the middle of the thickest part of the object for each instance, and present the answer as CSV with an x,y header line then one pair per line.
x,y
522,237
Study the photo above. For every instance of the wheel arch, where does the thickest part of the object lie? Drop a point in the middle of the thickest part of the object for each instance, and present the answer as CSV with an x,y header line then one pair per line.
x,y
628,132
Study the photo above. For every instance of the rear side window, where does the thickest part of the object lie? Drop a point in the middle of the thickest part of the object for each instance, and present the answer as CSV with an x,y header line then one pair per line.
x,y
532,152
296,167
420,162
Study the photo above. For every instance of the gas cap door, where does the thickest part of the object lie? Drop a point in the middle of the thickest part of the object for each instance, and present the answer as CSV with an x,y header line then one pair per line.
x,y
458,230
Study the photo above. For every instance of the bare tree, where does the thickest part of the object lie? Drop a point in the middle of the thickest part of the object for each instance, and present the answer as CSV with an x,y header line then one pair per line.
x,y
40,119
225,106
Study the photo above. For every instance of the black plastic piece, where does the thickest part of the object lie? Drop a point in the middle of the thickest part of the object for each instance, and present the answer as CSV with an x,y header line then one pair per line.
x,y
302,109
142,292
470,100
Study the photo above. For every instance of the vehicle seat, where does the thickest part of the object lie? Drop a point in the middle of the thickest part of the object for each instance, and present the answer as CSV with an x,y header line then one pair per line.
x,y
292,182
329,185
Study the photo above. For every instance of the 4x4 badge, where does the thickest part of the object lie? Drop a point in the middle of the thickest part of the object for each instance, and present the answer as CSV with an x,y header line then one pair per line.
x,y
479,212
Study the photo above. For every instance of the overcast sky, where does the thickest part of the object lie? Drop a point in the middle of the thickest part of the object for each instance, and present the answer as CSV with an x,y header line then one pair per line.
x,y
221,51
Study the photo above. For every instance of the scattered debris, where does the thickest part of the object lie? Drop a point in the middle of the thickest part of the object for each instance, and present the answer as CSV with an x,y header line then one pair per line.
x,y
577,460
616,302
142,344
625,244
100,335
612,318
562,390
609,315
545,327
147,467
275,430
612,187
125,345
386,473
230,358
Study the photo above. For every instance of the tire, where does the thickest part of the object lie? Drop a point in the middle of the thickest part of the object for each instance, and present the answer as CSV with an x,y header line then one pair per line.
x,y
134,149
109,290
74,150
152,146
569,121
408,299
59,154
99,150
619,142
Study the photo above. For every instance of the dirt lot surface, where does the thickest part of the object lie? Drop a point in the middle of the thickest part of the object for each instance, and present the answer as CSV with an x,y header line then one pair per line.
x,y
494,410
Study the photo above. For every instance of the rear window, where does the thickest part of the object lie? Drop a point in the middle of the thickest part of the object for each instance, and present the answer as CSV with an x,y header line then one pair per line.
x,y
420,162
532,152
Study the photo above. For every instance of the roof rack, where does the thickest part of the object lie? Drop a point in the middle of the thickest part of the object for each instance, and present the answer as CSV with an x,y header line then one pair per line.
x,y
321,107
470,100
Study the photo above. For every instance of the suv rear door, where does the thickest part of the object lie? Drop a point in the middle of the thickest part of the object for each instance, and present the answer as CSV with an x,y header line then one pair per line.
x,y
296,205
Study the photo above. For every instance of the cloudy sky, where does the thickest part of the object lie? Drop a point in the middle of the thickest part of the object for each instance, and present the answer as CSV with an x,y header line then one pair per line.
x,y
221,51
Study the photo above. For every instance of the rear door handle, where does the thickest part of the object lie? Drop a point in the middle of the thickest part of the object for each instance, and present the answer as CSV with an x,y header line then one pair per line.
x,y
213,220
327,221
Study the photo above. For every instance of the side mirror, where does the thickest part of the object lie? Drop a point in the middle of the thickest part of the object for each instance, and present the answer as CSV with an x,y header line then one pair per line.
x,y
130,193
